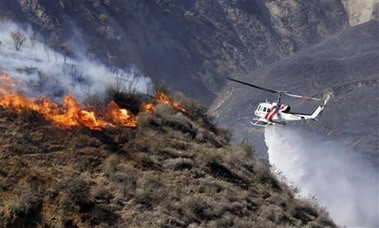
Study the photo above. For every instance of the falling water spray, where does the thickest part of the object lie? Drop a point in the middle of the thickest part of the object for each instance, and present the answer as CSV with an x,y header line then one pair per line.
x,y
341,179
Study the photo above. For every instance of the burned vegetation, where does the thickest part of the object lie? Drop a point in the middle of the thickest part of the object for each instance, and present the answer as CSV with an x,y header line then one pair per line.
x,y
174,169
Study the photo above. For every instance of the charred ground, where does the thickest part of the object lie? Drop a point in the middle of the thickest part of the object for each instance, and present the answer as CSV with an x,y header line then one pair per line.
x,y
173,170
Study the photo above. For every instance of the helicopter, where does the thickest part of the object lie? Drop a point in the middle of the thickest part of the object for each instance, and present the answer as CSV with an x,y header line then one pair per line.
x,y
278,113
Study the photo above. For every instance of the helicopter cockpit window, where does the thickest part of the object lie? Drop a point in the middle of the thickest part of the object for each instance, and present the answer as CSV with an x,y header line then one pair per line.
x,y
264,109
268,110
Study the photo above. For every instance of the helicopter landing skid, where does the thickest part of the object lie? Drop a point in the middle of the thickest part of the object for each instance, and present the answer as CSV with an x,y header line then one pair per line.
x,y
260,123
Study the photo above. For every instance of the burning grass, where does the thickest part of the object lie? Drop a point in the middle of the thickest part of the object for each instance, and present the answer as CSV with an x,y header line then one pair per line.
x,y
71,114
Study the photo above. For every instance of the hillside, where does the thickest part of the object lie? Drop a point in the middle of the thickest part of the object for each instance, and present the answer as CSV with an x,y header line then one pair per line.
x,y
132,157
346,65
191,45
173,170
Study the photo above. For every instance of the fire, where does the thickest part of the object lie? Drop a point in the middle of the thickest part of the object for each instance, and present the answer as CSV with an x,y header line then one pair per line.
x,y
71,114
68,115
123,116
148,107
163,98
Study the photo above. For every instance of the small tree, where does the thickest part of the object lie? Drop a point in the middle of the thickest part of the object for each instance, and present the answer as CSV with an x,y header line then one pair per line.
x,y
18,39
67,51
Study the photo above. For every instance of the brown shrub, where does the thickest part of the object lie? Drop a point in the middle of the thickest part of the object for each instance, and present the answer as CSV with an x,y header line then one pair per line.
x,y
78,191
272,213
242,223
147,140
210,156
321,222
161,87
196,111
224,133
210,187
22,208
99,192
223,222
263,223
195,208
127,181
110,166
164,110
178,163
145,119
150,192
245,145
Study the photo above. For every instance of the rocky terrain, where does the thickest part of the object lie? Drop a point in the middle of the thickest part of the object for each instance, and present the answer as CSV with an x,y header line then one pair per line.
x,y
191,45
360,11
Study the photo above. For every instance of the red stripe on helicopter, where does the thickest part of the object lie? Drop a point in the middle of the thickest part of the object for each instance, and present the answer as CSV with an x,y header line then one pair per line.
x,y
275,111
268,113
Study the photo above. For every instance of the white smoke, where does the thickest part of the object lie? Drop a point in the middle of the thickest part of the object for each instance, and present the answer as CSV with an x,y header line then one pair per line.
x,y
341,180
39,70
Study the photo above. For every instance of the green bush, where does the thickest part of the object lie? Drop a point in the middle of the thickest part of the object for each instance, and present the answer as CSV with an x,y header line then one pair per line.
x,y
22,208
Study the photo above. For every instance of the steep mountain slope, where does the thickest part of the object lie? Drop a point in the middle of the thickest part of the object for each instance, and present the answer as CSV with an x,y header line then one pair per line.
x,y
173,170
192,45
346,65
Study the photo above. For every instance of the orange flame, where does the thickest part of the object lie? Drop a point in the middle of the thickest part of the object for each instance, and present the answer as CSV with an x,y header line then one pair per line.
x,y
68,115
148,107
122,116
71,114
161,97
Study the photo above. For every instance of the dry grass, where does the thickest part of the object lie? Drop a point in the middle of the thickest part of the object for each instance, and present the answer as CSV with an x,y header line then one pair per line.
x,y
174,170
110,166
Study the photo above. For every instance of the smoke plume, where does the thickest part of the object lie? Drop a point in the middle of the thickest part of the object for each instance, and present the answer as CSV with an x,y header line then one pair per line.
x,y
342,181
40,70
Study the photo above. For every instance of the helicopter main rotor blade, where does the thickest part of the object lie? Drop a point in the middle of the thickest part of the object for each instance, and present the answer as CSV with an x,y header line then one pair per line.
x,y
302,97
255,86
275,91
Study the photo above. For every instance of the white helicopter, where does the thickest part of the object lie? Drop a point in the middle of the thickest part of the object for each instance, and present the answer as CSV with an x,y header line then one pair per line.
x,y
278,113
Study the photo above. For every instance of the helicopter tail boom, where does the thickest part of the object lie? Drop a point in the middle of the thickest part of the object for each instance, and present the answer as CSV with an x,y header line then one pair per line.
x,y
313,116
320,108
317,112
